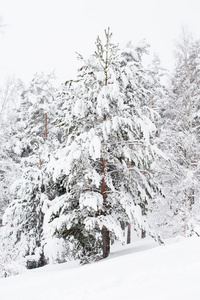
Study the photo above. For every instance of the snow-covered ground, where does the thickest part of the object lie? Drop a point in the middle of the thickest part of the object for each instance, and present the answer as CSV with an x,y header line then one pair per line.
x,y
141,271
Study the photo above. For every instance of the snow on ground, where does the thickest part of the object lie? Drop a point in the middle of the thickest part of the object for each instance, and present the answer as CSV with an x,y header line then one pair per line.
x,y
141,271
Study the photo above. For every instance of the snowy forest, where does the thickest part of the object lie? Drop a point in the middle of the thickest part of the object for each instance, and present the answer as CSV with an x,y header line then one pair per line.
x,y
108,155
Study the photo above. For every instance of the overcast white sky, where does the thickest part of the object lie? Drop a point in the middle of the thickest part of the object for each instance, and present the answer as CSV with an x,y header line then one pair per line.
x,y
43,35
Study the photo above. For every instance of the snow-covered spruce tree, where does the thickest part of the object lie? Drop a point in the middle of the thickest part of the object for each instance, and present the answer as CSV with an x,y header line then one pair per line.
x,y
9,167
104,161
34,137
180,138
164,167
150,91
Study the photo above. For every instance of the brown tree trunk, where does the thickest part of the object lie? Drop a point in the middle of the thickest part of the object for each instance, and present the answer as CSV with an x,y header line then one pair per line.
x,y
129,234
106,242
105,231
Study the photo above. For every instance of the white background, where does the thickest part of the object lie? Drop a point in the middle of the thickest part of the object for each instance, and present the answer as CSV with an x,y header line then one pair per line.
x,y
43,35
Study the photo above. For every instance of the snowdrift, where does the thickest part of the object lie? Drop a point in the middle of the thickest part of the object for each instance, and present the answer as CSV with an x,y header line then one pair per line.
x,y
140,271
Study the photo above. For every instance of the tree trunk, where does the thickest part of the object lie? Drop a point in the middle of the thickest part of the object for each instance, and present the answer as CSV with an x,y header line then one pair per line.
x,y
129,234
106,242
143,234
105,232
129,225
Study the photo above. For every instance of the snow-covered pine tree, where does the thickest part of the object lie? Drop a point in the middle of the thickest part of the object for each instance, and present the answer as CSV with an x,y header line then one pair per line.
x,y
180,140
104,161
33,141
163,167
9,167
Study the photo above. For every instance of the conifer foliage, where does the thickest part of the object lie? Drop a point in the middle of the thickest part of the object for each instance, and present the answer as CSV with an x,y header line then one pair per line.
x,y
23,219
103,163
87,158
181,132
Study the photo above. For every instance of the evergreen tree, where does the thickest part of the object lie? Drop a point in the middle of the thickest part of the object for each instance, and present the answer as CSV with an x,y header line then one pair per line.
x,y
33,141
9,170
103,164
180,138
163,167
